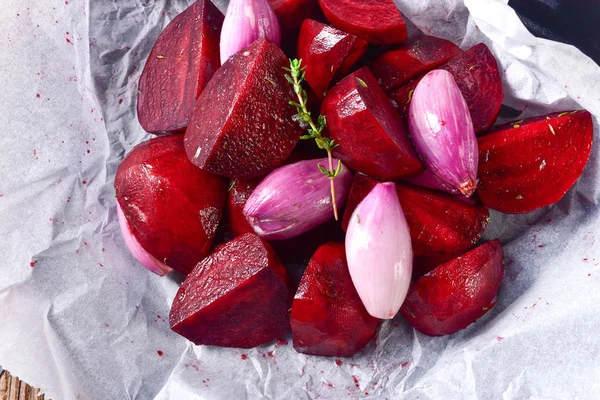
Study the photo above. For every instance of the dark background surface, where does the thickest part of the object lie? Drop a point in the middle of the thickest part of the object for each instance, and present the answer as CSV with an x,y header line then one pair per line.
x,y
575,22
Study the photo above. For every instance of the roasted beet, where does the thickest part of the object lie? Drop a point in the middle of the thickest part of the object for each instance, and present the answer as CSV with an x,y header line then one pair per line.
x,y
477,76
372,137
328,317
376,21
182,61
456,293
242,124
416,57
236,297
239,191
291,13
327,52
172,207
530,164
441,226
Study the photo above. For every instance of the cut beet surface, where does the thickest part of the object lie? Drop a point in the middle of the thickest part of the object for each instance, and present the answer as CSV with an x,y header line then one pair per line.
x,y
236,297
242,125
291,13
376,21
530,164
478,78
456,293
416,57
328,318
372,137
172,207
327,52
441,226
239,192
182,61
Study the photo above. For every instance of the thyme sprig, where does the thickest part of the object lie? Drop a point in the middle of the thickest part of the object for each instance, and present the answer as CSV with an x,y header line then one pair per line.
x,y
314,130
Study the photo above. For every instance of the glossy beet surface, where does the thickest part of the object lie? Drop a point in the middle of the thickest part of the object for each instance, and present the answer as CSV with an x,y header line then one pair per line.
x,y
327,52
416,57
376,21
530,164
441,226
291,13
242,125
456,293
182,61
328,318
372,137
236,297
478,78
172,207
239,192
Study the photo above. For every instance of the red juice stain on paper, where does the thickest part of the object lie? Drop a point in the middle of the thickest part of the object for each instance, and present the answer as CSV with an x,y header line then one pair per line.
x,y
100,264
355,379
404,364
499,338
271,354
38,95
244,357
281,342
160,353
120,101
338,362
84,182
106,325
32,263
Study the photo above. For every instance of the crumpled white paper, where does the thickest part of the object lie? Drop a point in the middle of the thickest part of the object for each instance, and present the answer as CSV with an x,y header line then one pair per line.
x,y
82,320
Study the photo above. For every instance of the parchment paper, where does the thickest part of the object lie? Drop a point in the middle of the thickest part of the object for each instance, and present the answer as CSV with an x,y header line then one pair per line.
x,y
82,320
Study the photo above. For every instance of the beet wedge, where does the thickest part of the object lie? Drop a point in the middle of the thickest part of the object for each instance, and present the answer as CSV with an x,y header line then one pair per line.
x,y
182,61
327,52
376,21
239,192
372,137
416,57
478,78
291,13
457,293
530,164
328,317
236,297
242,125
173,220
441,226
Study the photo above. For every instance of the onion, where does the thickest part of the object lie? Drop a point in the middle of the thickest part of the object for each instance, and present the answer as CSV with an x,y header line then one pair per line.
x,y
442,131
379,252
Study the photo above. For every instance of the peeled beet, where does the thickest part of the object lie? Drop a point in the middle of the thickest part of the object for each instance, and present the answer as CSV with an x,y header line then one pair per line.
x,y
327,52
478,78
182,61
441,226
236,297
416,57
328,318
531,164
239,192
242,125
172,207
376,21
372,137
456,293
291,13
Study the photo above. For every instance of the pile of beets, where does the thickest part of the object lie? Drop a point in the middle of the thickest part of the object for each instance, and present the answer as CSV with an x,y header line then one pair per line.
x,y
222,128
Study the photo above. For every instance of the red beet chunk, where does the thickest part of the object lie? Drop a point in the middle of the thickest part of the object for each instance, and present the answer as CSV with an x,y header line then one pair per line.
x,y
236,297
182,61
376,21
531,164
372,137
291,13
239,192
456,293
441,226
416,57
242,125
173,208
328,318
477,76
327,52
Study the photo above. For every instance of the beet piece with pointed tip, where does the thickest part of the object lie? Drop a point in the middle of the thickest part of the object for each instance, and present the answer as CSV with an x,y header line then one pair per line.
x,y
441,226
376,21
372,137
478,78
236,297
291,13
327,52
239,192
457,293
416,57
182,61
172,207
242,125
530,164
328,318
